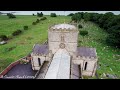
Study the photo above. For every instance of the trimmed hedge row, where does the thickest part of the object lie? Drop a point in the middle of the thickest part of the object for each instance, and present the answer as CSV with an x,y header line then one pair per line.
x,y
17,32
3,37
38,20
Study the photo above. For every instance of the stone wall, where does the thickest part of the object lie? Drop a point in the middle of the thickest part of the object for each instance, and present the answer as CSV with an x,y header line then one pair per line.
x,y
69,38
91,65
35,63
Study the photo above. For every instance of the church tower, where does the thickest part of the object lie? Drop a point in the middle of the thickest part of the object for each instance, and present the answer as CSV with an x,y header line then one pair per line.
x,y
63,36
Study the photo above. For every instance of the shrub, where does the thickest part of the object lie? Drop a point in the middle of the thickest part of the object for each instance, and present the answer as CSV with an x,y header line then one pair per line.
x,y
3,37
17,32
76,17
71,14
10,15
43,18
53,15
40,14
79,26
25,27
34,23
83,33
10,37
37,21
33,14
9,48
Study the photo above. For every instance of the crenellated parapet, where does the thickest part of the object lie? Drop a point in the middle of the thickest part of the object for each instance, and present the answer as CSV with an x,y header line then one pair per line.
x,y
63,28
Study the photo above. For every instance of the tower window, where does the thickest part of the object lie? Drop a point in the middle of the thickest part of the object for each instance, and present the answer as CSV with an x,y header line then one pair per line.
x,y
85,66
62,38
39,62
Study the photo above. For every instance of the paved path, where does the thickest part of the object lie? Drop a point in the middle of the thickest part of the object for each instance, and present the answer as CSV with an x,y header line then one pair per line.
x,y
42,72
21,71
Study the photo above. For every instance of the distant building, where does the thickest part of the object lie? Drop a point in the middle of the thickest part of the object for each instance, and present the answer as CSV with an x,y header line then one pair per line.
x,y
67,60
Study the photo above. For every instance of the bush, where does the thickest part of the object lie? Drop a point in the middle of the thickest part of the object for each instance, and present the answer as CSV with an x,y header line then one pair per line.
x,y
53,15
76,17
34,23
10,48
113,39
80,26
71,14
37,21
83,33
3,37
25,27
17,32
43,18
10,15
40,14
33,14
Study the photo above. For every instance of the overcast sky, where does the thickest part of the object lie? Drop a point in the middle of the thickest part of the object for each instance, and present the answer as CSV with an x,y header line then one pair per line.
x,y
57,12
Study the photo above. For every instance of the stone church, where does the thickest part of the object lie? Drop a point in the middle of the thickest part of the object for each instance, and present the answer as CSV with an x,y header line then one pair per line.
x,y
67,60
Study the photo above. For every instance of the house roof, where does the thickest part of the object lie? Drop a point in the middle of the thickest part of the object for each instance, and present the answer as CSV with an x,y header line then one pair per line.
x,y
63,26
87,52
40,49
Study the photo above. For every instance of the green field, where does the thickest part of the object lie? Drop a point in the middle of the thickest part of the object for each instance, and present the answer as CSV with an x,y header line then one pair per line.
x,y
22,44
108,60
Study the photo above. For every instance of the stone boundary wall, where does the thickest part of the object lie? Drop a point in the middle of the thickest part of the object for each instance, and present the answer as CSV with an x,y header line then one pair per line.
x,y
9,68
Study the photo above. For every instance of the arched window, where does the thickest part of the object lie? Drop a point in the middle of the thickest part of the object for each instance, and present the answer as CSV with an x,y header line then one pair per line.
x,y
39,62
85,67
62,38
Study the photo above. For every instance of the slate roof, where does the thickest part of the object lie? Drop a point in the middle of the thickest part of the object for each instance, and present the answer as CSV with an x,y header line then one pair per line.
x,y
40,49
87,52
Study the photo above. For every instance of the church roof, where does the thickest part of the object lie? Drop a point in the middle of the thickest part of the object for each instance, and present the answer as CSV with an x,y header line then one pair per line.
x,y
60,66
87,52
40,49
63,26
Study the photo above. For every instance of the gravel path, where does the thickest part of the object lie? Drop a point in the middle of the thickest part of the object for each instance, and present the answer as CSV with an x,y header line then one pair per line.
x,y
21,71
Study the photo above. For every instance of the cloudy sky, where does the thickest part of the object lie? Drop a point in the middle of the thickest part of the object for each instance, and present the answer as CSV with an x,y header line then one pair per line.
x,y
57,12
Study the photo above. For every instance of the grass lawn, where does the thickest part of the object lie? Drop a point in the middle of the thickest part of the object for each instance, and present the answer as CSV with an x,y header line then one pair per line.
x,y
108,59
22,44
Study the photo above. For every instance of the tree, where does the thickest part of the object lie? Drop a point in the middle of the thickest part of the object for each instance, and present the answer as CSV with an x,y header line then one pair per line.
x,y
115,20
40,14
25,27
10,15
104,19
79,26
3,37
114,36
43,18
17,32
81,13
34,23
53,15
87,16
76,17
33,14
83,33
71,14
